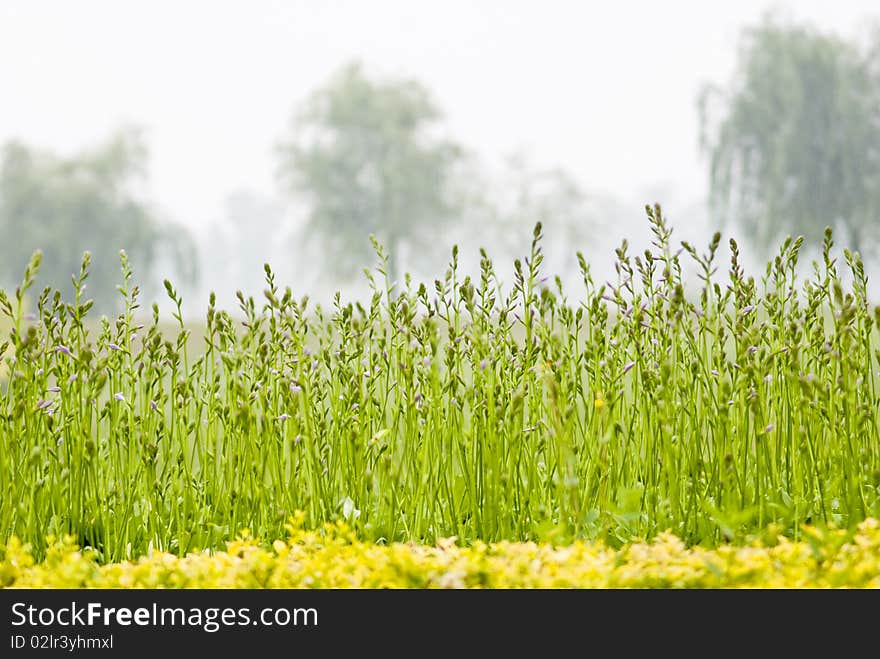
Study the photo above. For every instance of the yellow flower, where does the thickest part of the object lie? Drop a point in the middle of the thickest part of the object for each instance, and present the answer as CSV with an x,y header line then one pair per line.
x,y
332,557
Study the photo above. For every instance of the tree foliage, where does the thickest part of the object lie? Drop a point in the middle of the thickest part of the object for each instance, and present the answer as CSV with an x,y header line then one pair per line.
x,y
365,155
794,139
88,202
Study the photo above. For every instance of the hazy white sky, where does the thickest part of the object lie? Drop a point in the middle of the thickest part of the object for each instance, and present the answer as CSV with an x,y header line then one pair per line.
x,y
606,90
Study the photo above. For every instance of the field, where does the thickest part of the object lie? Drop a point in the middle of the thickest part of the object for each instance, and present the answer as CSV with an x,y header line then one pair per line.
x,y
650,421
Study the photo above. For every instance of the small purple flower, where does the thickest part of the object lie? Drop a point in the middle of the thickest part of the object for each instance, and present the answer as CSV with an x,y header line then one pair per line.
x,y
43,404
64,349
483,365
72,378
283,417
113,346
118,396
426,361
770,428
153,405
714,371
746,310
295,388
628,367
54,390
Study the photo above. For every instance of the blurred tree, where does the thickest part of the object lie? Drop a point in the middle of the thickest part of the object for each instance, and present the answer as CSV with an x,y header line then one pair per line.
x,y
66,206
363,154
796,144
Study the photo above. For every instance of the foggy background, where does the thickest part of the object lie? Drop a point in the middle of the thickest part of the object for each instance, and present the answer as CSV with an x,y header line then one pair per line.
x,y
169,129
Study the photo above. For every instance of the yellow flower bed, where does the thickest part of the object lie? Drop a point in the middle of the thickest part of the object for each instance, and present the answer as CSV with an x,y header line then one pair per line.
x,y
333,558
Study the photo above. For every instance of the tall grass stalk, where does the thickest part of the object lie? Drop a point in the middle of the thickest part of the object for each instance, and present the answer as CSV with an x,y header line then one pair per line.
x,y
461,409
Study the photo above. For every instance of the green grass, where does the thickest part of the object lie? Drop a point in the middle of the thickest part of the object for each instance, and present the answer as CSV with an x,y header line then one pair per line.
x,y
710,408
